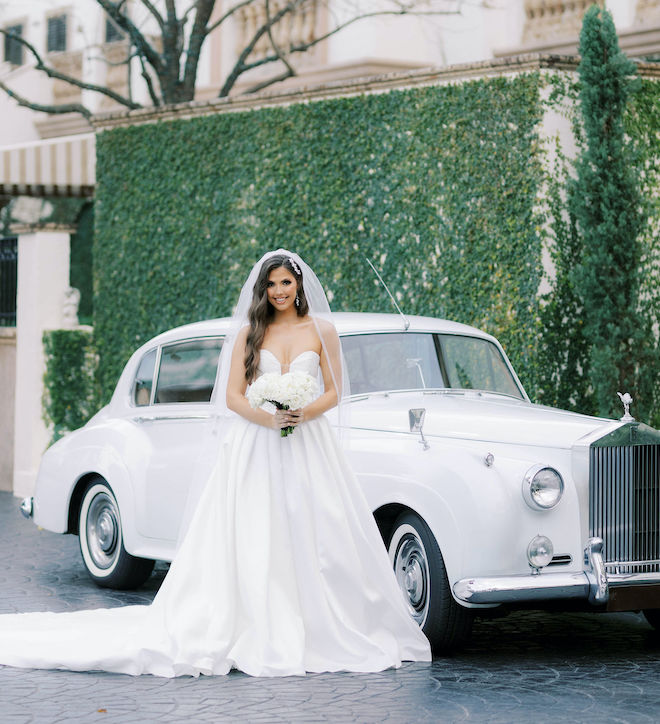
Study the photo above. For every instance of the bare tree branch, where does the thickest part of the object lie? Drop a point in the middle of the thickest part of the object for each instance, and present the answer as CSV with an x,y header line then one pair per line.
x,y
150,86
52,73
140,42
189,10
290,70
170,64
280,53
173,37
288,73
170,5
130,54
228,14
302,47
195,42
154,11
240,66
63,108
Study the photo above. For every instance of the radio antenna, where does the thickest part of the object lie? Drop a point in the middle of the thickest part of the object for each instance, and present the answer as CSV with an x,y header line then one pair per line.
x,y
406,321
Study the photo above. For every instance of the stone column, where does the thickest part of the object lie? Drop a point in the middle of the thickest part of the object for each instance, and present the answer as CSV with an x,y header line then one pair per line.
x,y
43,278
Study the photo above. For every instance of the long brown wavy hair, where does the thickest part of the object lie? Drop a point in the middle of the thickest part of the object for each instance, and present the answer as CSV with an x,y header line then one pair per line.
x,y
261,311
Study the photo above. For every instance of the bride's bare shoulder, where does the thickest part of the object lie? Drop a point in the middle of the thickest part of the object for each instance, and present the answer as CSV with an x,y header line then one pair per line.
x,y
326,327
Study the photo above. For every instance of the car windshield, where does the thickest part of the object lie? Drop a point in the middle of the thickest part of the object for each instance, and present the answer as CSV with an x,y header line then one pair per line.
x,y
415,360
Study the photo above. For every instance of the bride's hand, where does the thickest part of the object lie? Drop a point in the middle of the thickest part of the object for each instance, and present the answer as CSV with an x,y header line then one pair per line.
x,y
295,417
287,418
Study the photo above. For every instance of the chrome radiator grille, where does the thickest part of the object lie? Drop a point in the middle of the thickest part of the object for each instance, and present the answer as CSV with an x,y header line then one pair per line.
x,y
624,506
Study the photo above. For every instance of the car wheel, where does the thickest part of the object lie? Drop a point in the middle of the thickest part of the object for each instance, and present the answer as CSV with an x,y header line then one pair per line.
x,y
652,615
101,541
421,574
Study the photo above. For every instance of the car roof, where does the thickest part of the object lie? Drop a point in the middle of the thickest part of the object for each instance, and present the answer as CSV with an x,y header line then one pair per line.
x,y
347,323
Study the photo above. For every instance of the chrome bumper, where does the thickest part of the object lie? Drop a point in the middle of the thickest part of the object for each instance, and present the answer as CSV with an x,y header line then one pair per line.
x,y
591,584
27,507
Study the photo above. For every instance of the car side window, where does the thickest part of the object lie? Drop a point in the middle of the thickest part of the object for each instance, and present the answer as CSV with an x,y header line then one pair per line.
x,y
187,371
144,379
391,361
473,363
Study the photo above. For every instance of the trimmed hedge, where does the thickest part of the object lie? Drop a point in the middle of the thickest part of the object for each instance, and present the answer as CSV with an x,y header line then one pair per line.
x,y
71,394
437,185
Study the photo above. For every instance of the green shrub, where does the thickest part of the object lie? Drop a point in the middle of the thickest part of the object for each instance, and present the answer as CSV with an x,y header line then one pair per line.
x,y
70,395
606,204
604,217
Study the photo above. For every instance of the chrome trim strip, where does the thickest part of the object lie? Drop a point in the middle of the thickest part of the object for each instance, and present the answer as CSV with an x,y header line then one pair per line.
x,y
614,564
156,377
161,418
627,579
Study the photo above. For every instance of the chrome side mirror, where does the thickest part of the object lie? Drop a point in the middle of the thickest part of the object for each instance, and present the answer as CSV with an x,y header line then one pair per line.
x,y
416,417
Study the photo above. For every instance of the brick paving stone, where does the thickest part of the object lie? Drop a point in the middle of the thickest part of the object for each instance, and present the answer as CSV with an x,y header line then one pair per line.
x,y
529,666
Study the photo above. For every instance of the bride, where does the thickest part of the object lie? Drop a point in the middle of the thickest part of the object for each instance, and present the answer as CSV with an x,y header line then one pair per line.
x,y
281,569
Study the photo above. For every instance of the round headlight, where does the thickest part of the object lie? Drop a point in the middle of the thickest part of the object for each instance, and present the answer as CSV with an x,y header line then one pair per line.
x,y
542,487
540,551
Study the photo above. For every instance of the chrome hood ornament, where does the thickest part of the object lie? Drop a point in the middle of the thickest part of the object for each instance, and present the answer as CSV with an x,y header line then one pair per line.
x,y
626,399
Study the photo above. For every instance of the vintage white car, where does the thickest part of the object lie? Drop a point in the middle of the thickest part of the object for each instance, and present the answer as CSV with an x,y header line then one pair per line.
x,y
482,497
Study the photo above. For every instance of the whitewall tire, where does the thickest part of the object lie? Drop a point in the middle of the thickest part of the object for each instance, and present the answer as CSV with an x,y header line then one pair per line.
x,y
102,544
420,571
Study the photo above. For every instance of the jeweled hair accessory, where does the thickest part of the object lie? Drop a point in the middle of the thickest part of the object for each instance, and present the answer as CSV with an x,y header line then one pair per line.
x,y
296,268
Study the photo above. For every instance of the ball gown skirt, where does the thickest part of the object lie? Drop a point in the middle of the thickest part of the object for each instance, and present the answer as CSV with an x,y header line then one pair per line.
x,y
282,571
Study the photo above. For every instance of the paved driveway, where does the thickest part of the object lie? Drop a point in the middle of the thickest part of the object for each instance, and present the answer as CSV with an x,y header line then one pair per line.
x,y
526,667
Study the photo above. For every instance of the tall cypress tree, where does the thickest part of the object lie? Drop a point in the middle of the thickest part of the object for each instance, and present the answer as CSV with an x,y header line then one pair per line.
x,y
607,204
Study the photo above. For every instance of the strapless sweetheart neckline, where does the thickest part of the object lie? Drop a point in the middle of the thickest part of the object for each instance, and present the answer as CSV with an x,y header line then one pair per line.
x,y
274,356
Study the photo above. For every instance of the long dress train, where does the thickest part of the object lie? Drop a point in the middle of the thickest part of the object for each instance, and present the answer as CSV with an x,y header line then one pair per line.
x,y
282,572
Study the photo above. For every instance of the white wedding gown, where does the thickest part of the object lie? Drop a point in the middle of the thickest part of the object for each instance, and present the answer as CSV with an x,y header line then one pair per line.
x,y
282,571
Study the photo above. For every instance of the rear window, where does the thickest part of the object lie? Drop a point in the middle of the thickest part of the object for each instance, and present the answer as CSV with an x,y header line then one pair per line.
x,y
187,371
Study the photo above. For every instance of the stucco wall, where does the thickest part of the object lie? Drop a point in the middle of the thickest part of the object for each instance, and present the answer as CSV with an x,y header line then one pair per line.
x,y
7,385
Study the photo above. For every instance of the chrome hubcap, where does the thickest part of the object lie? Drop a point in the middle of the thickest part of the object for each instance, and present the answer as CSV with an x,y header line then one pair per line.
x,y
102,528
411,570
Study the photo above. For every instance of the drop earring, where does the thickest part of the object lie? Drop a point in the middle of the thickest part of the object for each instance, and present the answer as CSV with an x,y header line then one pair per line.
x,y
297,301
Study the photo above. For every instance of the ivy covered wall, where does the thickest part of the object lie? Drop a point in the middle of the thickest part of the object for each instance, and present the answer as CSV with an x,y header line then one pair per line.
x,y
438,185
448,189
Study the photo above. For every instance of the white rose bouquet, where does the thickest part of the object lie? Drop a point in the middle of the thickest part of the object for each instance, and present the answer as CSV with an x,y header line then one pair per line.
x,y
289,391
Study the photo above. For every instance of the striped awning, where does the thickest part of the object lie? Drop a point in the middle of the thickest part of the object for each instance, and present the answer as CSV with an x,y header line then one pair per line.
x,y
64,166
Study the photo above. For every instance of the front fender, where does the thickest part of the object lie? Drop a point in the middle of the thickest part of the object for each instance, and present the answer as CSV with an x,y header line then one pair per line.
x,y
476,512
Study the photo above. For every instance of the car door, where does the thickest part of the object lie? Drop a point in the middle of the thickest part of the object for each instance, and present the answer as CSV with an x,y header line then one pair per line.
x,y
174,416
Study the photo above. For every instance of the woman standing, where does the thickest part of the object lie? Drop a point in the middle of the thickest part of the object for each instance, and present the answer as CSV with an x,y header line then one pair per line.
x,y
282,569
